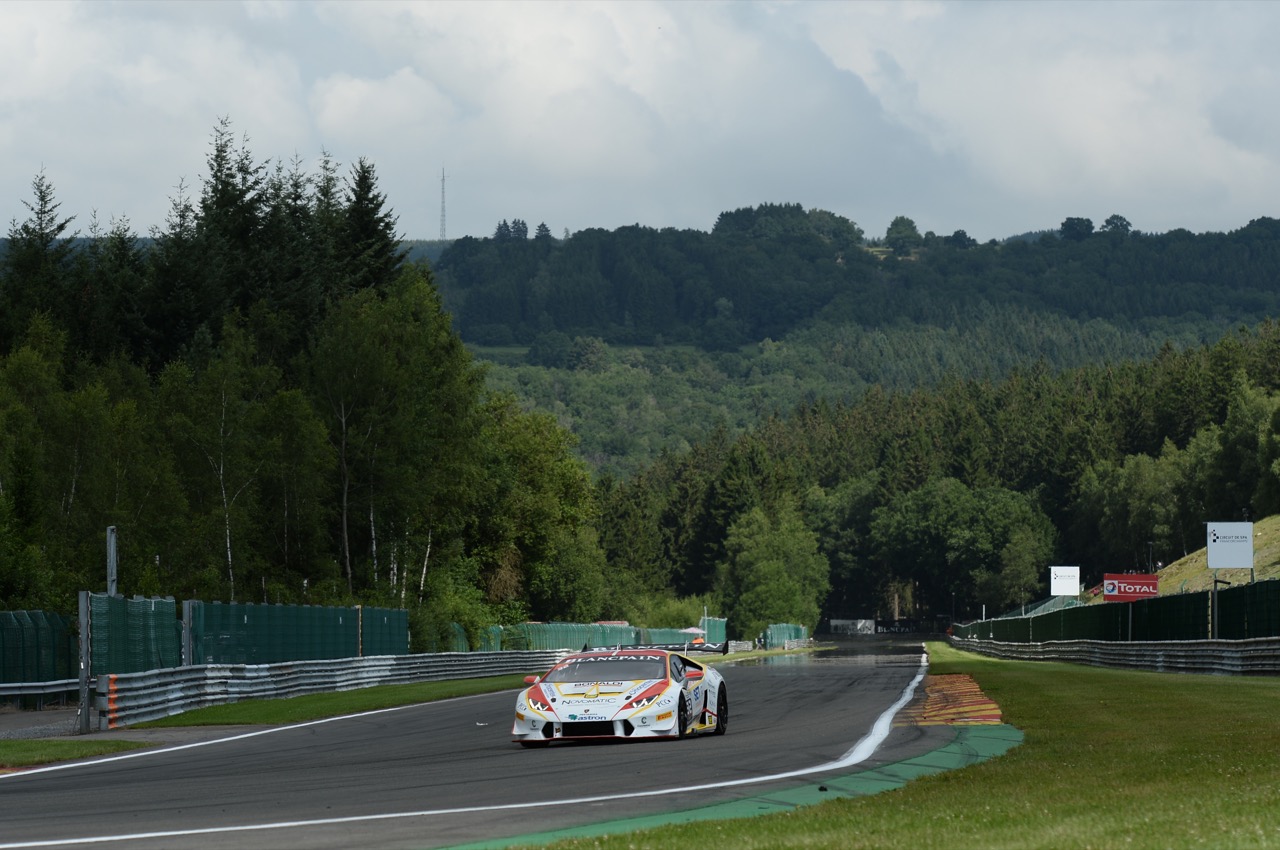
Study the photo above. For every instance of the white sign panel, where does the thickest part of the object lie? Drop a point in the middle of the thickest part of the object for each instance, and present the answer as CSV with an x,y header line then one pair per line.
x,y
1230,545
1064,581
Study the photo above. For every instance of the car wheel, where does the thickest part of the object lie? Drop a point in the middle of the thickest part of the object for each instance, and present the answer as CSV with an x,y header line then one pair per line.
x,y
722,711
682,713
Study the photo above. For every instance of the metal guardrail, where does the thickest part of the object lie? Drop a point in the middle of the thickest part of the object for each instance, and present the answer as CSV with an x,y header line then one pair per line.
x,y
137,697
1255,657
37,689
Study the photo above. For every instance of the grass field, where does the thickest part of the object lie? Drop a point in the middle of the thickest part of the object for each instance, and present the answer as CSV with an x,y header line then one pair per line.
x,y
318,706
1110,758
16,754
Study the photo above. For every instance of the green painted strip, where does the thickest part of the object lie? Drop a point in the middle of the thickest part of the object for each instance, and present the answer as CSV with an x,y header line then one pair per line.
x,y
971,745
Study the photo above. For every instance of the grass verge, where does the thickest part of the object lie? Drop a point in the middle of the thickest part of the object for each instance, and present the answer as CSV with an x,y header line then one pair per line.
x,y
22,753
1110,758
318,706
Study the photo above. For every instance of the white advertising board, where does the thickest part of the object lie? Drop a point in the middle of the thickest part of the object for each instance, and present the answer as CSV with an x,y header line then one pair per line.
x,y
1230,545
1064,581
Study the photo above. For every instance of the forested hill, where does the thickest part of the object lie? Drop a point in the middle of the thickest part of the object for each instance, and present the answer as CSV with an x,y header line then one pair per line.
x,y
766,272
643,341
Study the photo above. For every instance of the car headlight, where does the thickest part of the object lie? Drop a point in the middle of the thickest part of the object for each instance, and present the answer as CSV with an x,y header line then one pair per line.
x,y
645,698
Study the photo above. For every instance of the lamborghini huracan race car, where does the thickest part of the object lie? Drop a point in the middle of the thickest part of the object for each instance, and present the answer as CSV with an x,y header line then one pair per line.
x,y
652,691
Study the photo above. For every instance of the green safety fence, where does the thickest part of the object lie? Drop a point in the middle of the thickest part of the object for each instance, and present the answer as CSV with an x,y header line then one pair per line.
x,y
776,635
384,631
133,635
1094,622
1249,611
1163,618
247,633
451,637
137,635
491,640
1182,617
36,646
567,635
537,636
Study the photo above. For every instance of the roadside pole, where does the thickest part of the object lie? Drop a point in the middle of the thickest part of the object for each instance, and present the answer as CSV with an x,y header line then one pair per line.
x,y
86,709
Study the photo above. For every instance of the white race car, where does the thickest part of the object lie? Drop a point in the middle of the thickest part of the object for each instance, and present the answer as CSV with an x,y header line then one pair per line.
x,y
653,691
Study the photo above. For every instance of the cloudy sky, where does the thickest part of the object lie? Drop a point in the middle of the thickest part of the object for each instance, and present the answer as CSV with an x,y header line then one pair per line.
x,y
995,118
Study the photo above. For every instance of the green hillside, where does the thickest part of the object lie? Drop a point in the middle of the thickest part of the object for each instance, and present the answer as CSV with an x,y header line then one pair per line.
x,y
1192,573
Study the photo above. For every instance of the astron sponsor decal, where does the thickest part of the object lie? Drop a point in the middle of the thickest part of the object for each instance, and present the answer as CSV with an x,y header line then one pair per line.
x,y
1125,587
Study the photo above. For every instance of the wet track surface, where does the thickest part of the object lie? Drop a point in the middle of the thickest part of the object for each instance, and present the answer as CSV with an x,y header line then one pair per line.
x,y
446,773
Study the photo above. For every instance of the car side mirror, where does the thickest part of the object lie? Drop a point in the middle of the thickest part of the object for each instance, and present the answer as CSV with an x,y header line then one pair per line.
x,y
532,680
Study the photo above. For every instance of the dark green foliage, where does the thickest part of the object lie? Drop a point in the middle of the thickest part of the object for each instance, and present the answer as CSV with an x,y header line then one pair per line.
x,y
269,404
778,271
961,496
34,276
369,239
1076,229
268,401
902,237
734,285
772,572
1116,465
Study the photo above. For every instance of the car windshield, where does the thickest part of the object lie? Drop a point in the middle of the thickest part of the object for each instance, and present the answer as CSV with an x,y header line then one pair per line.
x,y
608,670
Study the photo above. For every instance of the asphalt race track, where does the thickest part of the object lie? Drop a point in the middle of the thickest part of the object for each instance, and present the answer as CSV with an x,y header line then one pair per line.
x,y
447,773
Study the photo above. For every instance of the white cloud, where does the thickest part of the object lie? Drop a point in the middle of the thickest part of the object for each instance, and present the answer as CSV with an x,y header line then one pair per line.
x,y
991,117
353,110
1071,104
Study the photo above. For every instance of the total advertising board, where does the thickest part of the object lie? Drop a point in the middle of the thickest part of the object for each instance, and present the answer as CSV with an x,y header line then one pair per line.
x,y
1126,587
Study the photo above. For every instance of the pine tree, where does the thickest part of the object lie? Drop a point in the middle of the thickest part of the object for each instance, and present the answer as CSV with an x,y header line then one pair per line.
x,y
35,268
372,248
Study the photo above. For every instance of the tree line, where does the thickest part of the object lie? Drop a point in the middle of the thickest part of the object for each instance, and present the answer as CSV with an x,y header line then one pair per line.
x,y
777,269
935,502
271,401
270,404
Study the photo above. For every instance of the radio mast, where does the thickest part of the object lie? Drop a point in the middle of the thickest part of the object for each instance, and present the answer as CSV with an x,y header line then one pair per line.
x,y
442,236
